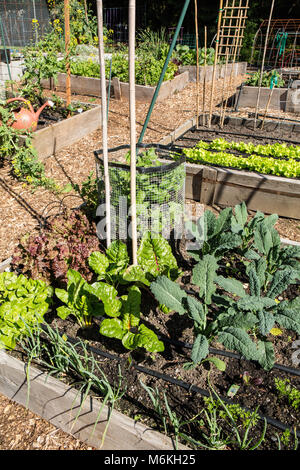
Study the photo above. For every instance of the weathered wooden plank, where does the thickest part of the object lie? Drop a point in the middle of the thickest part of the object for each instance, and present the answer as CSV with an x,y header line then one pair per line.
x,y
208,185
4,265
53,138
59,404
269,194
116,87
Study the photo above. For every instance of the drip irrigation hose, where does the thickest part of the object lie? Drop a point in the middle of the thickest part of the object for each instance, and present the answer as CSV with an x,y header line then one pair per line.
x,y
180,383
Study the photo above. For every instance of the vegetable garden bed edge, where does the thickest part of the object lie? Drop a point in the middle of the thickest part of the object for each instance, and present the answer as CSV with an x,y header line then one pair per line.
x,y
59,404
91,87
53,138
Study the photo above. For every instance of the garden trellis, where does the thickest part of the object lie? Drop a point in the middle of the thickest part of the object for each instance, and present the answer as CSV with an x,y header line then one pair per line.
x,y
234,16
283,47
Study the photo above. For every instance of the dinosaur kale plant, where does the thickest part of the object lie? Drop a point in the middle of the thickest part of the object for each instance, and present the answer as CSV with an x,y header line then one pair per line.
x,y
23,304
240,314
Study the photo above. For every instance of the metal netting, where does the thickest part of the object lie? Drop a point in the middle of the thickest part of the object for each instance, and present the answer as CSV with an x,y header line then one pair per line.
x,y
23,22
160,194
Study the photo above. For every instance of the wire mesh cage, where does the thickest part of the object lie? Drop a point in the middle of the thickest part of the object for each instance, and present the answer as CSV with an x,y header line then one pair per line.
x,y
160,192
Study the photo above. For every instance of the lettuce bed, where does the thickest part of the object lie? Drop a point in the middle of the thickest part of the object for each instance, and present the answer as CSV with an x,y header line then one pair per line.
x,y
276,159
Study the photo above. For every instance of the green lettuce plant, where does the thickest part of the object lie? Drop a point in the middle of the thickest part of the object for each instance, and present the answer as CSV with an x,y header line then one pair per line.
x,y
23,304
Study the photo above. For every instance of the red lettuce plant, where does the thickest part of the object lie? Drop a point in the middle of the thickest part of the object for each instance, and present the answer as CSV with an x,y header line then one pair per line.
x,y
65,243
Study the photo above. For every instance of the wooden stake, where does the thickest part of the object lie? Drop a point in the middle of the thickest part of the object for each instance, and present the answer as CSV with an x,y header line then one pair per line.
x,y
104,121
215,63
263,63
132,113
197,64
225,77
67,51
267,108
204,78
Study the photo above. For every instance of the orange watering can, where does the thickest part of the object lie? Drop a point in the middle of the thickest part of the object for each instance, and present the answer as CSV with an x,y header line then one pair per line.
x,y
27,119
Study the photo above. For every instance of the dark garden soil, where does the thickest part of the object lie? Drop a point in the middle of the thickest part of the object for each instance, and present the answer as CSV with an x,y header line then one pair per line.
x,y
257,136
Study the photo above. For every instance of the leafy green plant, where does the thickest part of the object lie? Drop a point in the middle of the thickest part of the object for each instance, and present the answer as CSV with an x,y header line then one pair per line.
x,y
127,326
289,168
23,304
286,390
154,258
223,309
268,78
85,301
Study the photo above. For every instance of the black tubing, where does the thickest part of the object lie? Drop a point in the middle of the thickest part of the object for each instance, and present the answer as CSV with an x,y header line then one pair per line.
x,y
187,386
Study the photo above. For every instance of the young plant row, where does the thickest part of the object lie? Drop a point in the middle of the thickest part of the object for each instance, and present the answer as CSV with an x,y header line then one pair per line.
x,y
274,150
268,166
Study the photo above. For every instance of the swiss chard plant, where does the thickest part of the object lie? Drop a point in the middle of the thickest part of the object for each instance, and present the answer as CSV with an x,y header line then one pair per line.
x,y
154,255
128,328
23,304
85,301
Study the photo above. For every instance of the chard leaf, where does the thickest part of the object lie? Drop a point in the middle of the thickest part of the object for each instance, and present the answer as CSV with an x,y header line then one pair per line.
x,y
149,340
136,274
155,255
231,285
112,328
266,322
63,312
236,339
265,354
200,349
204,274
130,340
99,263
117,253
62,294
108,295
169,293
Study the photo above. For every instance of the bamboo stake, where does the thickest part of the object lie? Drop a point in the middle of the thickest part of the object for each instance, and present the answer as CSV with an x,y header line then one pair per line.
x,y
132,113
197,64
67,51
263,63
224,81
235,44
104,121
267,107
204,78
215,63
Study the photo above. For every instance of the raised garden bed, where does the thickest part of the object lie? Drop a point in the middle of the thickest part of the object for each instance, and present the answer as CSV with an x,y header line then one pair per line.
x,y
185,387
53,136
225,187
284,99
91,87
239,68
